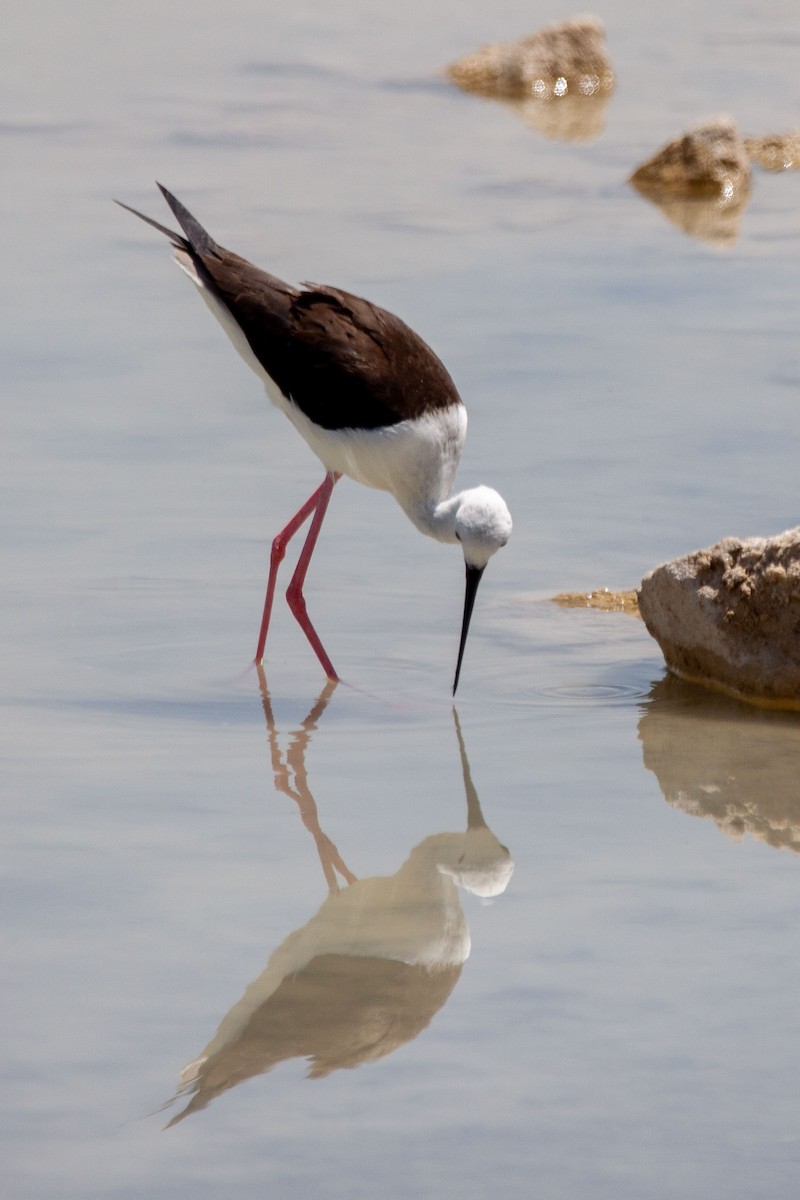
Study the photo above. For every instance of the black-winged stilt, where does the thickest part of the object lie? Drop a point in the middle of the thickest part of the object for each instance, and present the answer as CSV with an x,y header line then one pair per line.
x,y
370,398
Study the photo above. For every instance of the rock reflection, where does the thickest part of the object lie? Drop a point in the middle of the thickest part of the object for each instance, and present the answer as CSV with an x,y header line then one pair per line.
x,y
714,757
369,971
568,118
716,220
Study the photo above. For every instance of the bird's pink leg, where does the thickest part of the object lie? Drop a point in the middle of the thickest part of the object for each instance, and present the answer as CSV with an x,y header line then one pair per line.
x,y
317,503
294,592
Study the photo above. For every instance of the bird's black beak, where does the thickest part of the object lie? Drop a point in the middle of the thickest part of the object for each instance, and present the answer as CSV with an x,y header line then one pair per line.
x,y
473,579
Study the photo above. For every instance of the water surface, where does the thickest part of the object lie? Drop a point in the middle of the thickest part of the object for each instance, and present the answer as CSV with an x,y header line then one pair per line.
x,y
625,1024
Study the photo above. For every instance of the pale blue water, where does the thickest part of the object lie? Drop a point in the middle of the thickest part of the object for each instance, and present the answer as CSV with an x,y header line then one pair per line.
x,y
626,1023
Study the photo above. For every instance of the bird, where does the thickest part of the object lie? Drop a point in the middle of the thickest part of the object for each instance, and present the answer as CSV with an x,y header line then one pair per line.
x,y
371,399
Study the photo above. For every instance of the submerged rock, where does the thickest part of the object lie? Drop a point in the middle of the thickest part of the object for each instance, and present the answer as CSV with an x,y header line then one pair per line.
x,y
559,79
729,616
775,151
602,598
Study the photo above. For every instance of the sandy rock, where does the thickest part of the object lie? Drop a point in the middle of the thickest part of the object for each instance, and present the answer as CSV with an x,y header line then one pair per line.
x,y
710,158
568,55
700,181
729,616
559,79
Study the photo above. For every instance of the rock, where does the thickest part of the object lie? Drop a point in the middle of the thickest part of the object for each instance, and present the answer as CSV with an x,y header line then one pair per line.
x,y
700,181
729,617
709,159
559,79
775,151
569,55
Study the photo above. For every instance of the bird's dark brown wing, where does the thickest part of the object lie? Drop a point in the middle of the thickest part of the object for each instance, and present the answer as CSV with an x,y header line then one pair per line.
x,y
346,363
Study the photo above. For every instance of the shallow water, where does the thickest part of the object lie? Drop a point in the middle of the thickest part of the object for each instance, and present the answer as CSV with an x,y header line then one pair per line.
x,y
625,1024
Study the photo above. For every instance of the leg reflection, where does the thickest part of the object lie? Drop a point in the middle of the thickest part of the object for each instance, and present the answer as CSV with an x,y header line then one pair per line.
x,y
291,778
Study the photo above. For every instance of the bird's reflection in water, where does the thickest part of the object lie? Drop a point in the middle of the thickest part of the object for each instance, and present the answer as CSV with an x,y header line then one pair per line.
x,y
719,758
372,967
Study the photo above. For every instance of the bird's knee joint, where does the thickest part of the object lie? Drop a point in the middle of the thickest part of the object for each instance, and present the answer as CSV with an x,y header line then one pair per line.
x,y
295,599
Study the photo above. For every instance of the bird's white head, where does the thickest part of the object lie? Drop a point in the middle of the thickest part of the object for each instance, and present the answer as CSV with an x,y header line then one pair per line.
x,y
482,526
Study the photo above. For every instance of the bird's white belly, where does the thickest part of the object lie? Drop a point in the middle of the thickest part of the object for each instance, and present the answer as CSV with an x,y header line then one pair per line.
x,y
413,460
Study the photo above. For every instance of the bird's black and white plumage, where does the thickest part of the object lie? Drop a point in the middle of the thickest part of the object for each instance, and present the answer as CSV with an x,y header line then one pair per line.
x,y
367,394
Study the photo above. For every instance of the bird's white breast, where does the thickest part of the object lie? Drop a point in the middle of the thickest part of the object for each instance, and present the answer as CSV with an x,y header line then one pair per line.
x,y
415,460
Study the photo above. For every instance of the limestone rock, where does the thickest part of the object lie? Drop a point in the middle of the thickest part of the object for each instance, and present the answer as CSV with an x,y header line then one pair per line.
x,y
710,158
700,181
559,79
729,616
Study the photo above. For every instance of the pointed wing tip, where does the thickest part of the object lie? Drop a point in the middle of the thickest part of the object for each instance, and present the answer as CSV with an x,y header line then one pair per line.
x,y
199,238
127,207
176,239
